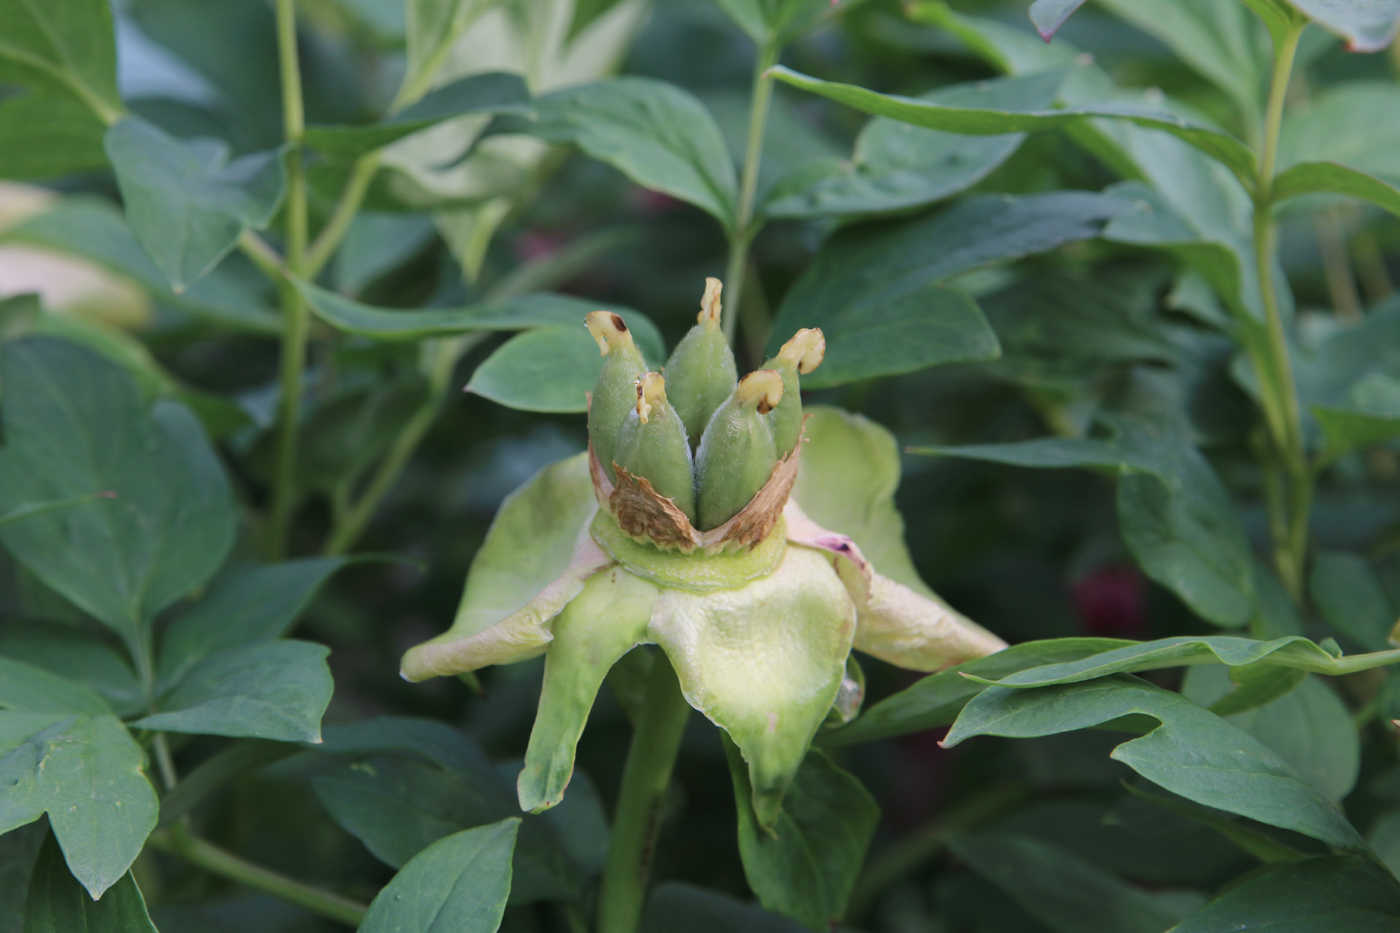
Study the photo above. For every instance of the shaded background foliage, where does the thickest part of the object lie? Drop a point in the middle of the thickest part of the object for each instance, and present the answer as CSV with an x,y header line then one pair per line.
x,y
1088,328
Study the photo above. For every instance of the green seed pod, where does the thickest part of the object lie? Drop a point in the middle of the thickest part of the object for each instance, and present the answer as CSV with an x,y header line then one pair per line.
x,y
700,373
802,354
652,444
615,393
737,453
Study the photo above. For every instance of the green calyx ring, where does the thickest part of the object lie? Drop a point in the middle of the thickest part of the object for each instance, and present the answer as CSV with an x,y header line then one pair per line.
x,y
696,572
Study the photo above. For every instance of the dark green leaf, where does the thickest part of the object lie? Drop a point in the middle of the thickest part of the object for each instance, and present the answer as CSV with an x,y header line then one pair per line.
x,y
1367,25
937,699
653,132
34,690
1293,651
459,883
1328,894
218,771
1350,597
187,203
85,772
1059,889
897,166
989,122
274,690
1193,752
91,228
491,92
48,134
806,867
1335,178
243,607
873,288
549,368
57,903
66,44
681,908
1256,685
1262,846
19,849
74,424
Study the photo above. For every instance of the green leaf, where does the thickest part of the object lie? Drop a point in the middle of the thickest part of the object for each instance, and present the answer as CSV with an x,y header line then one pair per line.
x,y
67,44
74,423
85,772
987,122
187,203
1183,650
399,805
1221,41
1327,894
93,229
937,699
774,22
550,368
653,132
34,690
77,655
1309,727
1193,752
1370,416
520,313
1256,842
57,903
682,908
430,29
1348,123
491,92
48,134
1175,514
275,690
1253,686
1350,598
1335,178
244,607
874,289
459,883
1367,25
1049,15
896,166
19,849
805,866
1058,888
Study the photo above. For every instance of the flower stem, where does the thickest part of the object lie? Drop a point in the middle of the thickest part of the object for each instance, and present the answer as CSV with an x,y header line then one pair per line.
x,y
177,840
645,778
296,323
1287,426
742,235
324,247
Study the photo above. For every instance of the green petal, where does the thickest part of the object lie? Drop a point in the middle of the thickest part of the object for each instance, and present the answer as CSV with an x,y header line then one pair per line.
x,y
535,559
846,481
607,620
763,662
893,622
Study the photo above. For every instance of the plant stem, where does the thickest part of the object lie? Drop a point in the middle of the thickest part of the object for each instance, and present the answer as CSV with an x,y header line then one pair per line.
x,y
262,255
165,762
296,324
344,214
177,840
742,234
637,821
1287,426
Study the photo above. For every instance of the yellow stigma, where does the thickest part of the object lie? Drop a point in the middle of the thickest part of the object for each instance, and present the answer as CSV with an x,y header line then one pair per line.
x,y
805,350
763,388
709,305
651,391
607,328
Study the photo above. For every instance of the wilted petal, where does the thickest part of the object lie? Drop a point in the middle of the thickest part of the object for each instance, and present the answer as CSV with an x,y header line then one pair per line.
x,y
763,662
894,623
535,559
608,619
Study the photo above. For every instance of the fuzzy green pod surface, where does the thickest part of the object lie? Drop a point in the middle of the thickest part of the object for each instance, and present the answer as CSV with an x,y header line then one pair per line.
x,y
652,444
803,353
737,452
701,373
615,393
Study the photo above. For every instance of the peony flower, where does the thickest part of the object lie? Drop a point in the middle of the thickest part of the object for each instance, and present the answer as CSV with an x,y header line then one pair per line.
x,y
703,531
